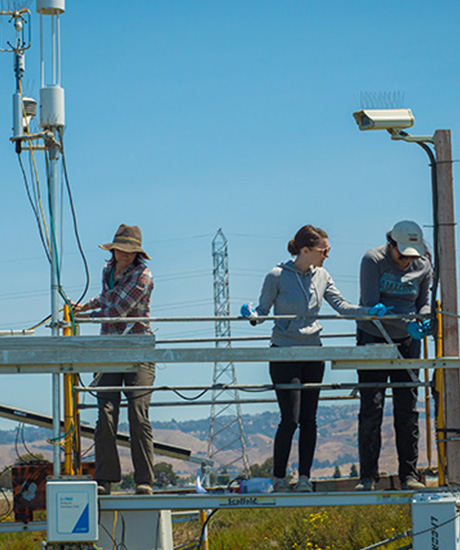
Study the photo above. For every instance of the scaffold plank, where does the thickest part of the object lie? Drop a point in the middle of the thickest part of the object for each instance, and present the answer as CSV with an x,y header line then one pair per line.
x,y
396,364
63,353
236,500
294,353
120,353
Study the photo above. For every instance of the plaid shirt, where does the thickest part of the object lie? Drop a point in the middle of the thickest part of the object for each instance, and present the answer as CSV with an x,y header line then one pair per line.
x,y
130,297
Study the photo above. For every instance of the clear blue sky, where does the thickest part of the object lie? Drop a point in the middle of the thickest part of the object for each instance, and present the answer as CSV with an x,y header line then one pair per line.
x,y
183,117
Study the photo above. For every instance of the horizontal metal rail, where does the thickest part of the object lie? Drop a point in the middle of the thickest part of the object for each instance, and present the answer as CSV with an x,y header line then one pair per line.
x,y
23,332
205,402
254,388
294,353
259,318
240,338
16,527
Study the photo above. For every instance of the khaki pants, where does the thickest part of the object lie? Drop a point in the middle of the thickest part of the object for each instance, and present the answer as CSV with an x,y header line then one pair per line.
x,y
140,428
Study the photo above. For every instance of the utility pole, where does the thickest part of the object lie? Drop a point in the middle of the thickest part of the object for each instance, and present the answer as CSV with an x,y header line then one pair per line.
x,y
448,279
226,431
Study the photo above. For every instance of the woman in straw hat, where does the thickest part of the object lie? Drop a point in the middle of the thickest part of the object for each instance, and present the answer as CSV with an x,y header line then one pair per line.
x,y
126,288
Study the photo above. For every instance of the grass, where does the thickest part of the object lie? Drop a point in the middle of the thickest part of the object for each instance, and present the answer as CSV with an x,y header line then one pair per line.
x,y
320,528
18,541
326,528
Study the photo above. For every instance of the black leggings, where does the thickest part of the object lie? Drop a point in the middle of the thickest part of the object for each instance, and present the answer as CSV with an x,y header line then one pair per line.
x,y
298,408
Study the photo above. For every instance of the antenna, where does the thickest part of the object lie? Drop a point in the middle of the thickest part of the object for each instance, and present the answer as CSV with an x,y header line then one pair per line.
x,y
21,21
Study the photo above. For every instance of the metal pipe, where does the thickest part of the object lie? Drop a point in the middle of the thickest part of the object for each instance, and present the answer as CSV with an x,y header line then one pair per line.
x,y
24,332
225,402
238,339
54,209
256,387
68,410
110,320
53,49
42,61
58,48
427,404
439,385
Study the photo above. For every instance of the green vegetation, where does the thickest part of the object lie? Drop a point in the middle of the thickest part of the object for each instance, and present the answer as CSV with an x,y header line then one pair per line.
x,y
264,470
164,475
21,541
327,528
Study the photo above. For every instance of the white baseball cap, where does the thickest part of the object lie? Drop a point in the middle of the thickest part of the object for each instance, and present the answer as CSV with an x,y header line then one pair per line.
x,y
409,238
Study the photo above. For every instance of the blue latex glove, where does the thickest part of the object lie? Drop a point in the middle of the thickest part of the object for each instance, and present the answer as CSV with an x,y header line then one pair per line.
x,y
418,330
248,311
379,310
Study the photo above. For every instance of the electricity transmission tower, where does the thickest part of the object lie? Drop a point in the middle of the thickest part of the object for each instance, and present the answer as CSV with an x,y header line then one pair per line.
x,y
227,440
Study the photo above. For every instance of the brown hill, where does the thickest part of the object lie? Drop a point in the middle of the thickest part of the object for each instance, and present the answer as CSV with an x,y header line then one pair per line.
x,y
337,442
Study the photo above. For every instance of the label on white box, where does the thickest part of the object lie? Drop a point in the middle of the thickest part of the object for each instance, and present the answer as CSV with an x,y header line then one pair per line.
x,y
73,514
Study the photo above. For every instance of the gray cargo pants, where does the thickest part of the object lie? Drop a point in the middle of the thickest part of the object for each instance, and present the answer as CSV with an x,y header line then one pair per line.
x,y
140,428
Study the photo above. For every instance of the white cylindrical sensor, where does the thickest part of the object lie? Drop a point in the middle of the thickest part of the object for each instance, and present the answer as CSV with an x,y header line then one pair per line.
x,y
52,111
18,130
50,7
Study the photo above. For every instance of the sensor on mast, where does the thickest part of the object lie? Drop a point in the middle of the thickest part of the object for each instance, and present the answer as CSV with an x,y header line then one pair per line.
x,y
52,111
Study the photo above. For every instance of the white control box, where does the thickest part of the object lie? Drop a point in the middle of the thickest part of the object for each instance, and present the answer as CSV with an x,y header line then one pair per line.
x,y
71,511
435,522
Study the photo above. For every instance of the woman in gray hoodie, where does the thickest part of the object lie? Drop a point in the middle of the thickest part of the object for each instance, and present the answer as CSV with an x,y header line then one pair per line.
x,y
298,287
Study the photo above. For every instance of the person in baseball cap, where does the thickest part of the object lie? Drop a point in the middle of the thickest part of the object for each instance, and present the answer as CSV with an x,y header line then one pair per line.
x,y
397,274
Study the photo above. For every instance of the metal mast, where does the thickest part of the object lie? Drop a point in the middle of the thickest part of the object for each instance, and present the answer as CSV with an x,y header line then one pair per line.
x,y
226,431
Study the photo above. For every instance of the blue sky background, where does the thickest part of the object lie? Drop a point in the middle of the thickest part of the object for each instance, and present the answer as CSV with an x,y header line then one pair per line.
x,y
185,117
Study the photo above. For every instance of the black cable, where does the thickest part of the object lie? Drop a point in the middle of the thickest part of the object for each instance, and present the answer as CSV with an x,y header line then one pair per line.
x,y
34,210
114,542
194,398
203,527
53,244
87,451
74,218
122,544
34,456
40,323
434,191
16,440
387,541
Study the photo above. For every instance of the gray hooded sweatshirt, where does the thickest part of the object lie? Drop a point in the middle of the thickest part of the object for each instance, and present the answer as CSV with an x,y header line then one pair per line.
x,y
407,291
292,292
